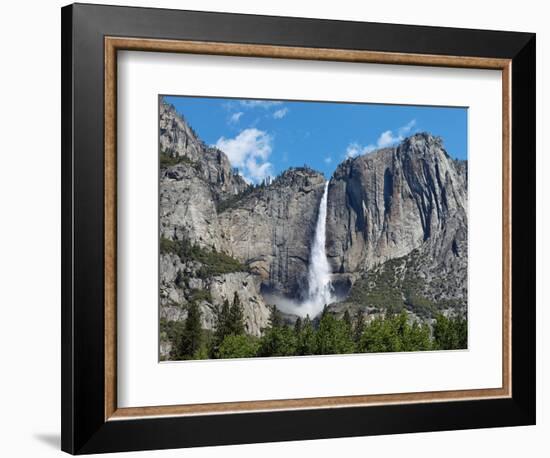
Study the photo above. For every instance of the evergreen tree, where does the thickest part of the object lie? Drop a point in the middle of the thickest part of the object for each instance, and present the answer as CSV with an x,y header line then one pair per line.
x,y
275,318
333,336
358,326
222,326
394,333
383,335
239,346
298,326
306,342
191,338
278,341
236,317
417,337
347,319
450,333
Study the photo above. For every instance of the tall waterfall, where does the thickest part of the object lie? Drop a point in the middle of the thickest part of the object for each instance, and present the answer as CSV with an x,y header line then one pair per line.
x,y
319,285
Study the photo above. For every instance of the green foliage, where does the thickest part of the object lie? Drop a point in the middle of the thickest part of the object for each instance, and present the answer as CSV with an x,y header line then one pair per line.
x,y
235,324
233,201
306,341
172,332
394,333
222,326
394,286
200,295
422,306
168,246
279,341
275,317
347,319
213,262
169,159
387,333
202,352
414,297
416,337
381,335
450,333
238,346
333,336
358,326
298,326
229,322
191,338
381,289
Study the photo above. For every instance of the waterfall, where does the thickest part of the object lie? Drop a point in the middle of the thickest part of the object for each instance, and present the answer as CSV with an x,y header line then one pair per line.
x,y
319,284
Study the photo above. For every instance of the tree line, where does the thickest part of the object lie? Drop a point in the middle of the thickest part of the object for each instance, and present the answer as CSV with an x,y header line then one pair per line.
x,y
325,336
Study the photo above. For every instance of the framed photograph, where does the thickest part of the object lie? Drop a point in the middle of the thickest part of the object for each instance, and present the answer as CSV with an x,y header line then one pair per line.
x,y
281,229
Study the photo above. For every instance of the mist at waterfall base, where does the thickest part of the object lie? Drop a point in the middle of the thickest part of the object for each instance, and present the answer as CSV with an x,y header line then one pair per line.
x,y
320,290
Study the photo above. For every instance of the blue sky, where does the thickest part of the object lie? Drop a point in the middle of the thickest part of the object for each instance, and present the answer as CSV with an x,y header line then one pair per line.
x,y
264,137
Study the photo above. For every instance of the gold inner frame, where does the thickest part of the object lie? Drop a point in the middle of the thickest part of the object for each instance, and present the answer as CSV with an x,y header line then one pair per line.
x,y
114,44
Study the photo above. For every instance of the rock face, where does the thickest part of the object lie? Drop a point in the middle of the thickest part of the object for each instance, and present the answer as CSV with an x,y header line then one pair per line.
x,y
194,178
256,314
213,291
187,207
179,140
271,229
396,201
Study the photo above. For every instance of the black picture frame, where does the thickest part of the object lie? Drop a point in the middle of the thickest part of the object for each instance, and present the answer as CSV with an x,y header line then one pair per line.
x,y
84,428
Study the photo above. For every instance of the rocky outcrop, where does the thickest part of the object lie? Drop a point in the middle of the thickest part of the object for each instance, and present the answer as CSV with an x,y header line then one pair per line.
x,y
194,179
395,201
179,140
179,285
271,229
187,207
385,204
247,286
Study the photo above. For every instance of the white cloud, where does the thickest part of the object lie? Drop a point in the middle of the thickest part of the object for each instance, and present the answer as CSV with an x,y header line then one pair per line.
x,y
260,103
235,117
355,149
386,138
327,160
404,130
279,114
249,152
257,171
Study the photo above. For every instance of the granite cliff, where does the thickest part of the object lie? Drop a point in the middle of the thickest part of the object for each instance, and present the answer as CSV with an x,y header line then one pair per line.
x,y
271,229
406,204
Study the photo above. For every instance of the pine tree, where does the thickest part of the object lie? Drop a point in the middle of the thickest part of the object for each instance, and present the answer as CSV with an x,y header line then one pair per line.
x,y
347,319
333,336
298,326
236,317
450,333
275,318
222,328
306,338
191,338
359,325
